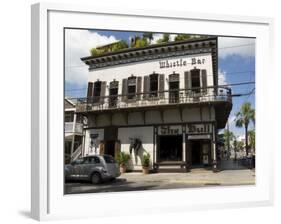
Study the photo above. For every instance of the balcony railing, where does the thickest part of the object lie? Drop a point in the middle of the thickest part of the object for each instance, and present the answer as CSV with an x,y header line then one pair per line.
x,y
168,97
71,127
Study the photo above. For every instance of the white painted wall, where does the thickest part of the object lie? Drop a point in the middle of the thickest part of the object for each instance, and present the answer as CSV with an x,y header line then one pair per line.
x,y
144,68
87,148
145,134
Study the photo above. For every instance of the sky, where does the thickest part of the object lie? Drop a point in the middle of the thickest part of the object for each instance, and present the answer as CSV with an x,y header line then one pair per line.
x,y
236,62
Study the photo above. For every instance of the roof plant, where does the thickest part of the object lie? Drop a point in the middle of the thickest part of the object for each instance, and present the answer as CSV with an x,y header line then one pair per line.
x,y
180,37
114,47
164,39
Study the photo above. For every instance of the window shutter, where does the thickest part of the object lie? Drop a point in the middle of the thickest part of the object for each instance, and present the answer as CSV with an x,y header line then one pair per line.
x,y
139,88
161,86
187,81
89,92
146,84
117,149
102,92
124,89
204,80
101,147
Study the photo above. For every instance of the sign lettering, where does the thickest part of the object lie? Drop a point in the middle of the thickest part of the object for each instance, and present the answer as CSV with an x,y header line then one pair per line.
x,y
181,62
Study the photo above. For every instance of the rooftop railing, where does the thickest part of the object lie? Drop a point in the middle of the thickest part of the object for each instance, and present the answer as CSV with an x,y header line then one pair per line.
x,y
155,98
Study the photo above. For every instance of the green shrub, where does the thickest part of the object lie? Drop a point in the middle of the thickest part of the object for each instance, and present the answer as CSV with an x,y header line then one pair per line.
x,y
120,45
180,37
146,160
123,158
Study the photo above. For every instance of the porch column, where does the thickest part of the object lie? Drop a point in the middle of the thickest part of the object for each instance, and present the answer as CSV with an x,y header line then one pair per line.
x,y
183,147
73,134
214,156
215,168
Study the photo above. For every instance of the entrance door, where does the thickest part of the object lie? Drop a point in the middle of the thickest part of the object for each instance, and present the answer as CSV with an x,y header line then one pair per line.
x,y
196,153
170,148
109,148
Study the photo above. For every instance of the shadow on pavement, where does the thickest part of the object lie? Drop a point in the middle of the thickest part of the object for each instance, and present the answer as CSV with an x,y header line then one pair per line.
x,y
231,165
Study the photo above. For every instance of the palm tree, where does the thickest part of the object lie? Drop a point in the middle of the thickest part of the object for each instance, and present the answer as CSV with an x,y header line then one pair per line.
x,y
243,118
228,137
252,139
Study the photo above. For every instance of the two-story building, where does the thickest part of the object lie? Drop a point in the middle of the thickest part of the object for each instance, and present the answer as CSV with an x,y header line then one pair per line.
x,y
162,99
73,131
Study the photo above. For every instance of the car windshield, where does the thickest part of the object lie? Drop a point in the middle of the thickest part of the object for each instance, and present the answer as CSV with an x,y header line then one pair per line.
x,y
108,159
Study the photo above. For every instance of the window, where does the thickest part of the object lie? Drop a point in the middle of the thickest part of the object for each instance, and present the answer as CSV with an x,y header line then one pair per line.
x,y
132,87
68,116
195,80
113,93
153,85
108,159
174,88
95,160
97,91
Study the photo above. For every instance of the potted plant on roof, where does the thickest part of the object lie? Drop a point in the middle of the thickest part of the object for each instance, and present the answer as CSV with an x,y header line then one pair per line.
x,y
145,163
123,159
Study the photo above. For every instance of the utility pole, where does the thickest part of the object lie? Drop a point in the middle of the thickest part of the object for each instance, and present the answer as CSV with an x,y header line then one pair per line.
x,y
228,140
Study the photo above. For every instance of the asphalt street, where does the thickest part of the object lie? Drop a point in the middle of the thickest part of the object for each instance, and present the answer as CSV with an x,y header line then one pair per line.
x,y
135,181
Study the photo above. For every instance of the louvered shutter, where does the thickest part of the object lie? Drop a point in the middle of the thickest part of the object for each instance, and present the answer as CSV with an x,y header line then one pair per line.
x,y
101,147
117,149
204,81
102,92
187,82
90,92
161,86
139,86
146,84
124,89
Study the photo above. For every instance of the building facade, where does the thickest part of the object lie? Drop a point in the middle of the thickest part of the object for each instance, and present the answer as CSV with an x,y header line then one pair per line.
x,y
73,131
162,99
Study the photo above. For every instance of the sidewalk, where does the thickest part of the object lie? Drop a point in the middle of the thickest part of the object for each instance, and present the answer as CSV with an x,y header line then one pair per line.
x,y
196,177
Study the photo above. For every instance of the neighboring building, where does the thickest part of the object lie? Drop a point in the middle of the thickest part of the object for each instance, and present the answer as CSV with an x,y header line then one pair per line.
x,y
73,131
162,99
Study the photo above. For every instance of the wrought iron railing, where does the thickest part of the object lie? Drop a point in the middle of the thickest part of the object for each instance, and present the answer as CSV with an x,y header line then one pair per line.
x,y
168,97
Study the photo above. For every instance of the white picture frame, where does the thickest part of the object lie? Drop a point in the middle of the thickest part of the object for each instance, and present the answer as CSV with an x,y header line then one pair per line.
x,y
48,201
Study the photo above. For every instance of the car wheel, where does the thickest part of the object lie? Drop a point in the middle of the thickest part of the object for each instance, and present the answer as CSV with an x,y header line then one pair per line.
x,y
96,178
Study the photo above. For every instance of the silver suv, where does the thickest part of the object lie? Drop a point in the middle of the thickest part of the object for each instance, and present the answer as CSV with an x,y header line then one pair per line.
x,y
93,168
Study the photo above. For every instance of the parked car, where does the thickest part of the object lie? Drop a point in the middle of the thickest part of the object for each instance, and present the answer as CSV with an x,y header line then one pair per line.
x,y
95,168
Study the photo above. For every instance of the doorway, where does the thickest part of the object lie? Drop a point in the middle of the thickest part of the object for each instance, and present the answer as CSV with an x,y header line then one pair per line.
x,y
170,148
196,153
109,148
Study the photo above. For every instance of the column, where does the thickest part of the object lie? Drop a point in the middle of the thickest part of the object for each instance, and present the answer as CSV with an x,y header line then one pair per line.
x,y
214,151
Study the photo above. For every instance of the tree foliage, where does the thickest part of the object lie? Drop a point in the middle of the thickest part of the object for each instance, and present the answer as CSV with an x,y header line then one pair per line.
x,y
243,118
165,38
148,36
180,37
252,139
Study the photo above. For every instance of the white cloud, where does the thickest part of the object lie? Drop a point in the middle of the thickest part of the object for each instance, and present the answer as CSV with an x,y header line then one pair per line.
x,y
156,37
78,44
236,46
222,77
172,37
